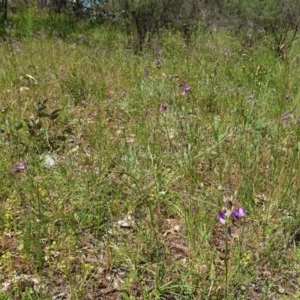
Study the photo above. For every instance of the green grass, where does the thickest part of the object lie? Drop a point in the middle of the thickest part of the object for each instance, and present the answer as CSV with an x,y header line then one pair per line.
x,y
129,210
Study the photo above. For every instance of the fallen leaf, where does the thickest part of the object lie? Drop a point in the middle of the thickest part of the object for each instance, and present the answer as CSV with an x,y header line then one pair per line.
x,y
32,79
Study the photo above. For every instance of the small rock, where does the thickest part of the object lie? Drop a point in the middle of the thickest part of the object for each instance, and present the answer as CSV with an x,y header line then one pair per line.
x,y
50,161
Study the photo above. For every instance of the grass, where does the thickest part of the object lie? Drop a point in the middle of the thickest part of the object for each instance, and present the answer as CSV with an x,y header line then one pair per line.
x,y
120,196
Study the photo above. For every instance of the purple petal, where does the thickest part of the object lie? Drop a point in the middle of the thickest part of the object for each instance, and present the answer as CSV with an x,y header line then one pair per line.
x,y
222,217
186,89
242,211
286,117
239,213
19,167
163,107
158,63
288,97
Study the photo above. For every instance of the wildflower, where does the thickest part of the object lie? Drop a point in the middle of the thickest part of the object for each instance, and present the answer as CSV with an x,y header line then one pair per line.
x,y
288,97
222,216
19,167
235,214
146,73
286,117
163,107
186,89
252,99
239,214
158,63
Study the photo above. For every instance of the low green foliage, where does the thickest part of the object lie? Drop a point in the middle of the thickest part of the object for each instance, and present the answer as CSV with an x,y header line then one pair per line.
x,y
115,166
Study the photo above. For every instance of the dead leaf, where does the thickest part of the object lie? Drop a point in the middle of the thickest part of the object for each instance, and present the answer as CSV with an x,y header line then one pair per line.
x,y
32,79
23,89
125,223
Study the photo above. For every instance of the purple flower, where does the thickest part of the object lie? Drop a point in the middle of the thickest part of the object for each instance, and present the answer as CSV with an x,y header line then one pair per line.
x,y
288,97
252,99
222,216
163,107
236,214
286,117
19,167
239,213
158,63
147,73
186,89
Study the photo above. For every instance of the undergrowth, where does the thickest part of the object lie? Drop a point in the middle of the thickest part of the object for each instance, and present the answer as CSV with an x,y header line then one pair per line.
x,y
115,166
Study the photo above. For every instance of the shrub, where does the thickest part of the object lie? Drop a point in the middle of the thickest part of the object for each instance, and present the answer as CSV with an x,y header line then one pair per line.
x,y
279,19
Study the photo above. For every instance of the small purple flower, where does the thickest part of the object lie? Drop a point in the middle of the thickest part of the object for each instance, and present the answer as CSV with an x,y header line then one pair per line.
x,y
252,99
158,63
286,117
147,73
222,216
239,213
186,89
163,107
19,167
288,97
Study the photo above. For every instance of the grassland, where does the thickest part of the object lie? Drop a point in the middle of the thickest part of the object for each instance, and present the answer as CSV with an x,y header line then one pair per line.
x,y
114,166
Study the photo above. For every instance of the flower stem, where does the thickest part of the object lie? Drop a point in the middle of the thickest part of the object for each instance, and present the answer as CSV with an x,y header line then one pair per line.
x,y
226,259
